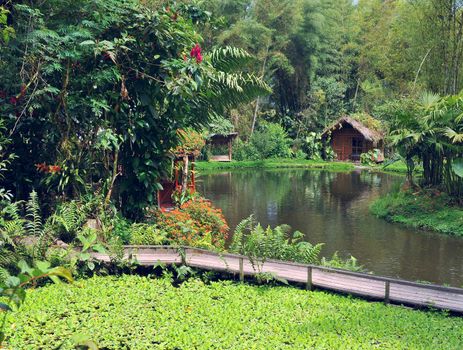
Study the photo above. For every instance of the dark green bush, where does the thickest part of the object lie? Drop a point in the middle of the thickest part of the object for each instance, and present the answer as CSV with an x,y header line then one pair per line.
x,y
270,140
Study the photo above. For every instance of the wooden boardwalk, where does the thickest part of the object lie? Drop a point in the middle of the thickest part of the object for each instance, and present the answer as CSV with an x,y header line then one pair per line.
x,y
364,285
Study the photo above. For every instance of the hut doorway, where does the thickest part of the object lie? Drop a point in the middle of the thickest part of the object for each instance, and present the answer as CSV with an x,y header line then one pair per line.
x,y
357,148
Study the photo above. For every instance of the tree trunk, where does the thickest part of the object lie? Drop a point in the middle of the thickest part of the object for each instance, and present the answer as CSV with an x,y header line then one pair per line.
x,y
185,174
256,109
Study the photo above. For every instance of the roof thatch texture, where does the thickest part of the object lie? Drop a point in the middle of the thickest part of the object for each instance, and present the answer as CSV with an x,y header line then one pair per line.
x,y
369,134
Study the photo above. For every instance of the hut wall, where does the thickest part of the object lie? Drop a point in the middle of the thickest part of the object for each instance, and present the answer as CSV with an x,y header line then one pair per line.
x,y
348,143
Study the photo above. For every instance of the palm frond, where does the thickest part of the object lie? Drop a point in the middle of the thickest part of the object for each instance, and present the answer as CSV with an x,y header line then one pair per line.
x,y
454,136
229,58
231,89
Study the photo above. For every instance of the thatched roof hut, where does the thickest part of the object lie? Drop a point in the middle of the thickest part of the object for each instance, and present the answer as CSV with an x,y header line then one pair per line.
x,y
349,138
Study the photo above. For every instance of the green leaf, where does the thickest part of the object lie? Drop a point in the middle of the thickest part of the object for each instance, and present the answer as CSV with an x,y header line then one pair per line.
x,y
12,281
87,42
457,167
62,272
24,267
99,248
42,265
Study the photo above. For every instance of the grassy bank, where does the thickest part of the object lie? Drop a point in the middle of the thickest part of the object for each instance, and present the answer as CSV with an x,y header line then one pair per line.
x,y
425,210
276,163
140,313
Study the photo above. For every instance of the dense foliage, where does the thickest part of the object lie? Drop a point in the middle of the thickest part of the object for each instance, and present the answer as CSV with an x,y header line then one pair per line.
x,y
93,93
141,313
430,131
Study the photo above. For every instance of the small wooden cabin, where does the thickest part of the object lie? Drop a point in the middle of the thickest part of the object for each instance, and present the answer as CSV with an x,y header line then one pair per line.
x,y
217,141
349,138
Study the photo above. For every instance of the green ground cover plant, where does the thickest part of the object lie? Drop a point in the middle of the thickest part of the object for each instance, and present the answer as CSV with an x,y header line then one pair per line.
x,y
275,163
133,312
431,210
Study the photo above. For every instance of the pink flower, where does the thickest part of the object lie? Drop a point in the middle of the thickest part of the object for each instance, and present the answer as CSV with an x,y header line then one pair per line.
x,y
196,53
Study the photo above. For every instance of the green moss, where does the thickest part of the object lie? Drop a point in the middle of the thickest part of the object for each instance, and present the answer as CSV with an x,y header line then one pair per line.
x,y
276,163
430,211
134,312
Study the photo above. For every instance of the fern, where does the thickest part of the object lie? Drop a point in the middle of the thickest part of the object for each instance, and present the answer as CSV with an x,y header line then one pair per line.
x,y
260,244
33,216
11,224
69,216
4,274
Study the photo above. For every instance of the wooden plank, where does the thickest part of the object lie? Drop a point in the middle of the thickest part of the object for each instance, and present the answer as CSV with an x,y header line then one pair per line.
x,y
388,289
220,158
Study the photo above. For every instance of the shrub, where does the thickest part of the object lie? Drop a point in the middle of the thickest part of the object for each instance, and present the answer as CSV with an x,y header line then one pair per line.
x,y
338,263
145,234
245,151
316,148
196,223
270,140
121,228
259,244
371,157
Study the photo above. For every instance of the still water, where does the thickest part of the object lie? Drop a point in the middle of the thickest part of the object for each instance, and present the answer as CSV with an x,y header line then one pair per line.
x,y
333,208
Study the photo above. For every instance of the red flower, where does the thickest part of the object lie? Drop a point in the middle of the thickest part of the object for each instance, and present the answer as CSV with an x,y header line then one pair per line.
x,y
13,100
54,169
42,167
196,53
2,94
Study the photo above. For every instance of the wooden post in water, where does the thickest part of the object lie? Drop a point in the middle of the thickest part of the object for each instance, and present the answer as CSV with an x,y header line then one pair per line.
x,y
241,270
387,289
309,278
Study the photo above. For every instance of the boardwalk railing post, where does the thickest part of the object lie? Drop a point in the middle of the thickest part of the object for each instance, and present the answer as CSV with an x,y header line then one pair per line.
x,y
309,278
387,289
241,270
182,253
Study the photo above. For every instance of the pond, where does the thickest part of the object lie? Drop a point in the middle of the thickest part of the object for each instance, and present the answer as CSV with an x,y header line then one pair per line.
x,y
333,208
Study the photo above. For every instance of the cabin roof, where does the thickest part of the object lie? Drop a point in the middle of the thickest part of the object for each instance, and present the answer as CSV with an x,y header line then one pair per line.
x,y
368,134
221,138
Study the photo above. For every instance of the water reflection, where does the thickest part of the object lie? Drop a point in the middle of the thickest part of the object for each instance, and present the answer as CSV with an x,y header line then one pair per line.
x,y
333,208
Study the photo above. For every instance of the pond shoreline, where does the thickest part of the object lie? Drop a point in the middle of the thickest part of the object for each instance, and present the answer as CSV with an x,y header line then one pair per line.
x,y
395,168
275,163
422,210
